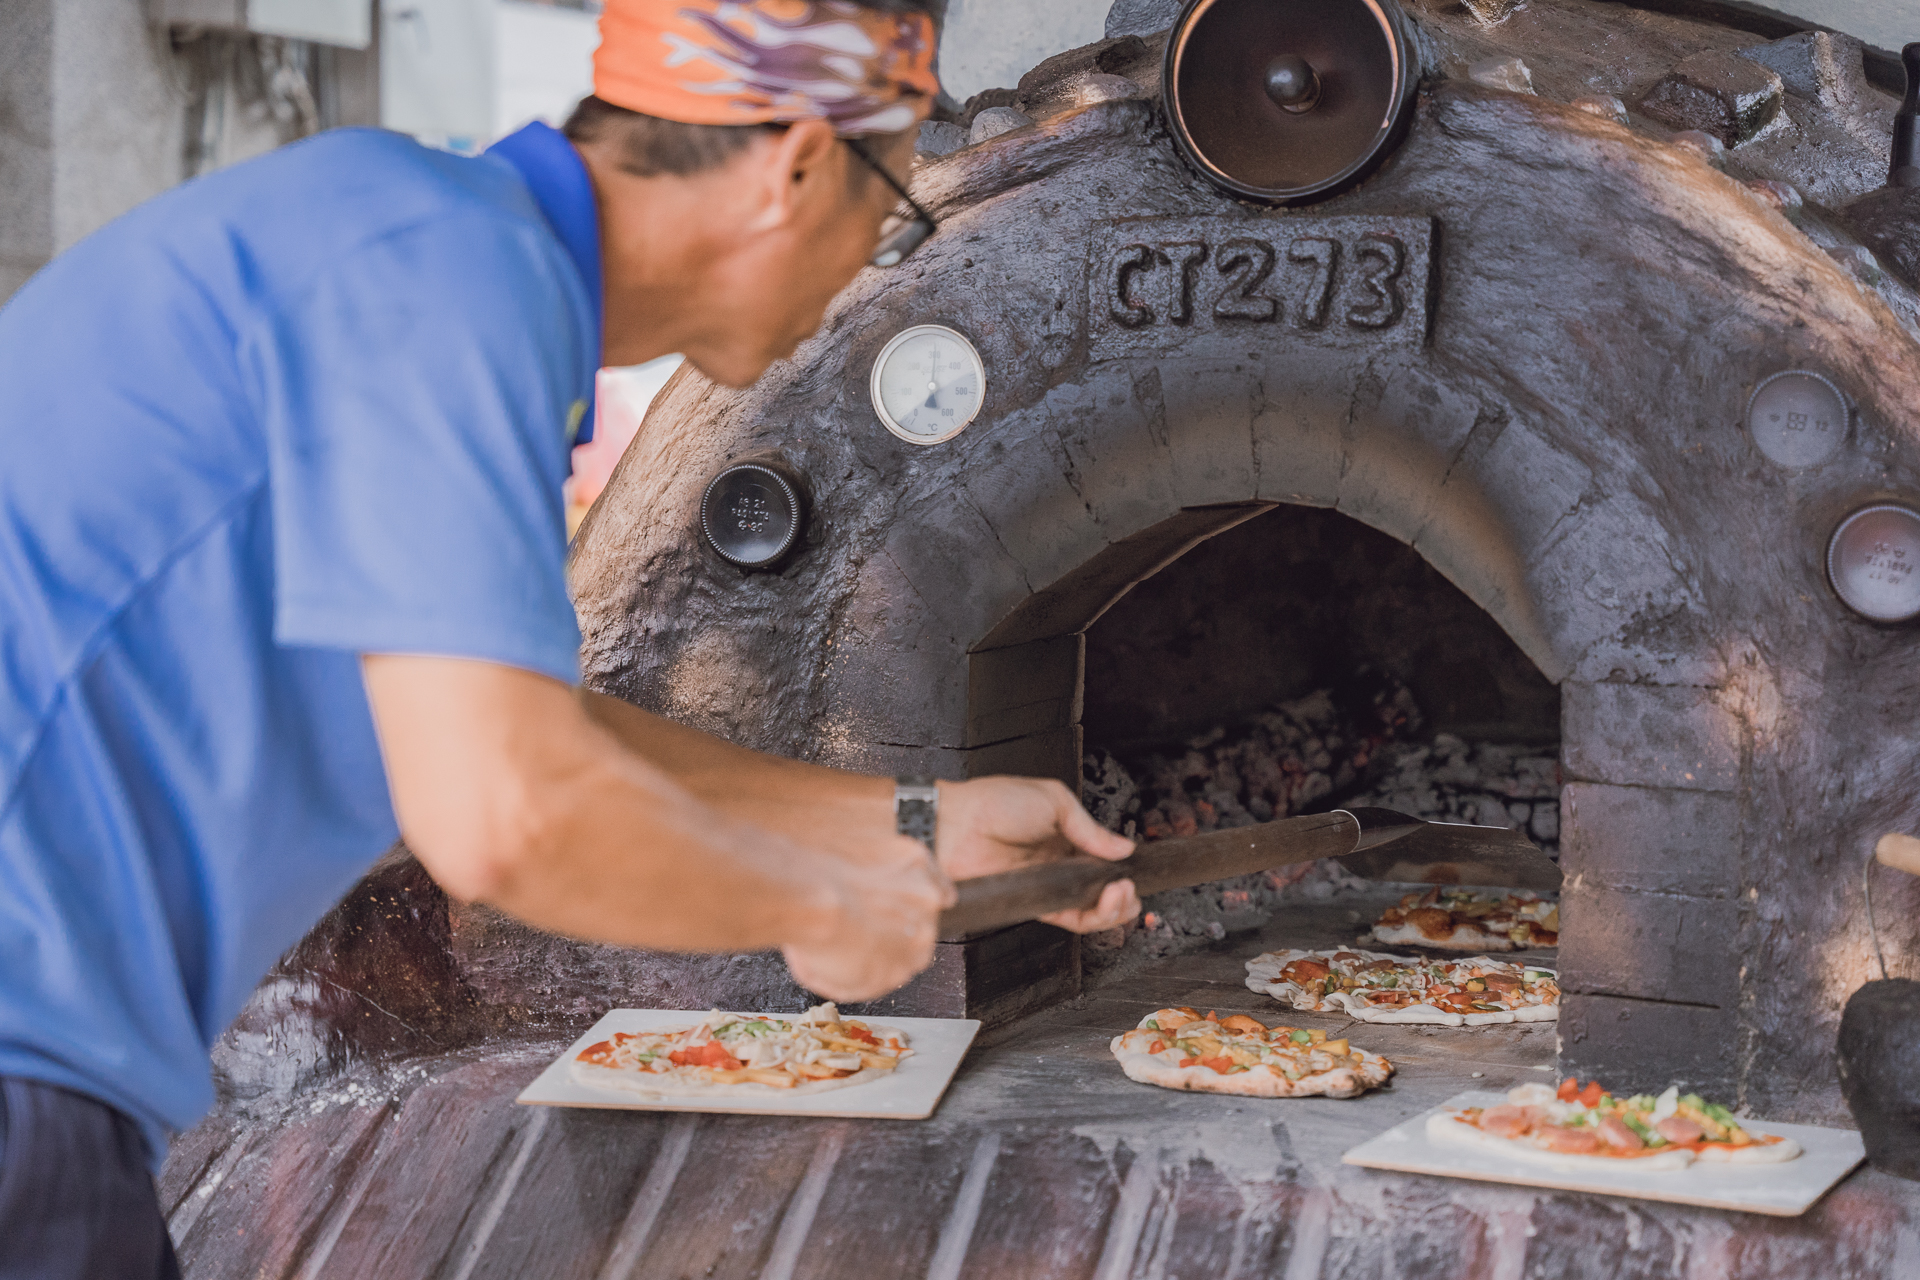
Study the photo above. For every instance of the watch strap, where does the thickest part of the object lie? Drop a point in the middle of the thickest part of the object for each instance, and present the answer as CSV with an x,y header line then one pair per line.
x,y
916,808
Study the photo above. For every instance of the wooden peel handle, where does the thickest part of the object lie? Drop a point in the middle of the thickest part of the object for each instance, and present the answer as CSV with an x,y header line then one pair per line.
x,y
1902,853
992,902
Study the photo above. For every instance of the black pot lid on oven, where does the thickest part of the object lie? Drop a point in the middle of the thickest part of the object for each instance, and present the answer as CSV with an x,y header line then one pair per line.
x,y
1288,101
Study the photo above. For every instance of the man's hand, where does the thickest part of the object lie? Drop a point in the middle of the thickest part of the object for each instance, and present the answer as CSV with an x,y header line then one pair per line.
x,y
883,931
999,824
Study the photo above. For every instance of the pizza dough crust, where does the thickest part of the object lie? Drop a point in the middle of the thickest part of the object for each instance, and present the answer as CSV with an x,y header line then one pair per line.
x,y
1474,921
1759,1153
647,1084
1463,938
1340,1082
1447,1131
1263,975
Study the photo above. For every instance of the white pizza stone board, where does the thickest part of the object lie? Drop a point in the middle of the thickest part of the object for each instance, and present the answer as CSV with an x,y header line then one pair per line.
x,y
1781,1190
910,1093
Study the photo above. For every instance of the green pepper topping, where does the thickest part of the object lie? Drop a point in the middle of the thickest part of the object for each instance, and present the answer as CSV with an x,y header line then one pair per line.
x,y
1301,1037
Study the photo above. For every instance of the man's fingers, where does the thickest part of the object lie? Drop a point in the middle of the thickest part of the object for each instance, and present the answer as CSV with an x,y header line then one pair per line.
x,y
1078,826
1896,850
944,883
1118,904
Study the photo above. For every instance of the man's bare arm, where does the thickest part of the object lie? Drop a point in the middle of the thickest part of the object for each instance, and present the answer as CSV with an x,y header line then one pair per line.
x,y
833,809
510,793
986,824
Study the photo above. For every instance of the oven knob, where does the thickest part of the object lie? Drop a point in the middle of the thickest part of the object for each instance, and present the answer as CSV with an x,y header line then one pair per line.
x,y
1871,562
1288,103
1798,418
752,512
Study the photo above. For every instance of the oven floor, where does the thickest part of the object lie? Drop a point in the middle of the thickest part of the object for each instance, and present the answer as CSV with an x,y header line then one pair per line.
x,y
1043,1161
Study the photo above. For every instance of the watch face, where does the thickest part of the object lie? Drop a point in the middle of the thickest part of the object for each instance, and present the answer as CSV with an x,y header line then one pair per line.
x,y
928,384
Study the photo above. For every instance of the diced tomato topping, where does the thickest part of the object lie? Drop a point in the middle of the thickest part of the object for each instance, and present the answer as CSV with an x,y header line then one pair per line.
x,y
862,1034
1222,1064
597,1052
1305,971
1158,1046
1187,1062
710,1054
1569,1088
1591,1095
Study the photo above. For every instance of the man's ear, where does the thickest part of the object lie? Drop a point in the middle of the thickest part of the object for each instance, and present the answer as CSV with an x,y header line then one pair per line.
x,y
804,162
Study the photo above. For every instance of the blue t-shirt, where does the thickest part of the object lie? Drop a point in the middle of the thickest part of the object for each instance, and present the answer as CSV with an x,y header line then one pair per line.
x,y
310,407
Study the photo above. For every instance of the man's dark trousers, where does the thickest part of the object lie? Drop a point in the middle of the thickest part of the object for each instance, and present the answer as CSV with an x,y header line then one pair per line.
x,y
76,1200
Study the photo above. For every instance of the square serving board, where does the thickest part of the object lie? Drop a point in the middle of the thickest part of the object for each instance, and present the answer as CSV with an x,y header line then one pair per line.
x,y
1783,1190
910,1093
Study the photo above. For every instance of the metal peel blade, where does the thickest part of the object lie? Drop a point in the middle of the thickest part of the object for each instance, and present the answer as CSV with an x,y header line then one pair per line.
x,y
1379,844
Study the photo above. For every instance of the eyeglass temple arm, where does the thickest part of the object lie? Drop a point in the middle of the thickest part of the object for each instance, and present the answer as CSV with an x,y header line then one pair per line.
x,y
853,145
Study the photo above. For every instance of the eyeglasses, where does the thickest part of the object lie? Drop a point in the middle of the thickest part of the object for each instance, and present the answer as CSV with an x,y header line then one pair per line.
x,y
898,236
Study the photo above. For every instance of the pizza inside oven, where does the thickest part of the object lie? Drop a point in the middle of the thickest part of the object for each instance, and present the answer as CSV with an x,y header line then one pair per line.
x,y
1179,1049
1455,919
1374,987
745,1053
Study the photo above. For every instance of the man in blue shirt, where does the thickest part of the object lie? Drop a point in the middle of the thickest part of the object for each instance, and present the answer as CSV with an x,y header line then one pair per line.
x,y
281,578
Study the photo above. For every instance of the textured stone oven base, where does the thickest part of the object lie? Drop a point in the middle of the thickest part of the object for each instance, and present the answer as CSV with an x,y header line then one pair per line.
x,y
1042,1162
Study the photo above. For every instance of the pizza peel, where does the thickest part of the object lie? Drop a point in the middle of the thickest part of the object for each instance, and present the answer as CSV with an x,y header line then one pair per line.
x,y
1378,844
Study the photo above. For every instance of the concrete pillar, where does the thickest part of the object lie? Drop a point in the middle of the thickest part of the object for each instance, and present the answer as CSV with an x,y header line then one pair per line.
x,y
91,114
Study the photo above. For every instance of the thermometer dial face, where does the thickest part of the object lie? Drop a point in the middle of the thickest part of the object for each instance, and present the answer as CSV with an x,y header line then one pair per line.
x,y
928,384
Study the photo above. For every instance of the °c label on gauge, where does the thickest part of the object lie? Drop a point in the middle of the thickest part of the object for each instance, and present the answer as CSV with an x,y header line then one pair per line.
x,y
1797,418
928,384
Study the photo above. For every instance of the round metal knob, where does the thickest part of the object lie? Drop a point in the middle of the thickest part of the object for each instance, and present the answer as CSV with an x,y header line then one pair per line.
x,y
1292,83
1798,418
1284,101
1872,559
752,513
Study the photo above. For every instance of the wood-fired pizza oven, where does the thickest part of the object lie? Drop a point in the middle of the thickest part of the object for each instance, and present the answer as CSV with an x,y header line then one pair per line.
x,y
1525,349
1563,402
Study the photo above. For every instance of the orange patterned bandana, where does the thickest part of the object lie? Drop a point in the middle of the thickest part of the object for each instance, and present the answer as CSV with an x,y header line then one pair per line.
x,y
767,61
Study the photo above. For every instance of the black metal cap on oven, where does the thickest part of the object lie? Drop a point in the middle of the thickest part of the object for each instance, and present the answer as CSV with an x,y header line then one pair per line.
x,y
752,513
1904,169
1287,103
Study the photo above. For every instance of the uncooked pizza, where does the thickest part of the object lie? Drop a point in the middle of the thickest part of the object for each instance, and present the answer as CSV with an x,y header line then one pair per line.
x,y
1580,1126
1374,987
745,1054
1179,1049
1470,920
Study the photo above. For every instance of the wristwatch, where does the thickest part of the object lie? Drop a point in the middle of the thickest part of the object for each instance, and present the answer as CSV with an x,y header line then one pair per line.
x,y
916,808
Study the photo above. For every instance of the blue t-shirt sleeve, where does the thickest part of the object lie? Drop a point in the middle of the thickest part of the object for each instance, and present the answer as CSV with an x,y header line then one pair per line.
x,y
418,403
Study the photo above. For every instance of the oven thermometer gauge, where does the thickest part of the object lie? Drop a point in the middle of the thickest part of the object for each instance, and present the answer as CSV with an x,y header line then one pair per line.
x,y
928,384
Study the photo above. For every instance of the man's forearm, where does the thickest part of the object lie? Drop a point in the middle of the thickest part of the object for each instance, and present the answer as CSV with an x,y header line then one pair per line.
x,y
509,794
638,861
832,809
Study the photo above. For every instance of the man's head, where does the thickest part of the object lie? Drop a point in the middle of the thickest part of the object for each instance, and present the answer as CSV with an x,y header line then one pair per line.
x,y
732,207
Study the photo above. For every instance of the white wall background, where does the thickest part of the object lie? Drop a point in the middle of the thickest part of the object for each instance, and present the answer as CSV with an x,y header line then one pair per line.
x,y
437,70
1887,23
990,44
544,62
